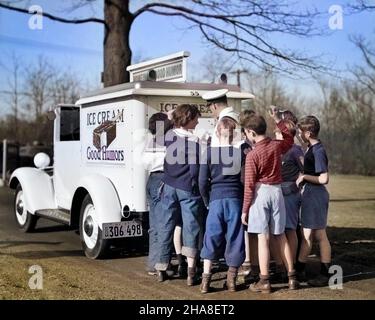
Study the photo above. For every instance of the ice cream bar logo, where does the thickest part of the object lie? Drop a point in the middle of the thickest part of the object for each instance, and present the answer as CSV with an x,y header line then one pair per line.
x,y
105,134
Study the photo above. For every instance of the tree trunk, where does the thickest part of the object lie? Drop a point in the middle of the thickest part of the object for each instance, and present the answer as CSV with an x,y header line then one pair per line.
x,y
117,52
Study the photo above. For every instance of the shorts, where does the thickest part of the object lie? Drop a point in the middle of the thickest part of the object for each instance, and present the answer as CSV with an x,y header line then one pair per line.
x,y
267,211
314,206
292,202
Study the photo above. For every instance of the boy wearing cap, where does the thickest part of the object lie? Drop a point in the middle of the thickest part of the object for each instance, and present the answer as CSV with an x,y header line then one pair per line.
x,y
218,103
263,207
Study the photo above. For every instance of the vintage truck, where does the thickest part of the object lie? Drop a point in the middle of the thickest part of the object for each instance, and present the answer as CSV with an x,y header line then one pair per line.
x,y
97,182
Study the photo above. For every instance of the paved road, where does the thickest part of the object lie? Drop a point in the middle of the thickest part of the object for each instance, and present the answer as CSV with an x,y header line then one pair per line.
x,y
68,274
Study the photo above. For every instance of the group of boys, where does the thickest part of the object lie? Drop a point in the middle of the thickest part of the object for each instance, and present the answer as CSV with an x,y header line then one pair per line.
x,y
283,190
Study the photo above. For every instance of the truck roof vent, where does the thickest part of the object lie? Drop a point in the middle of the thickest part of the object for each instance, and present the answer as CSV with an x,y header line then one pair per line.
x,y
151,75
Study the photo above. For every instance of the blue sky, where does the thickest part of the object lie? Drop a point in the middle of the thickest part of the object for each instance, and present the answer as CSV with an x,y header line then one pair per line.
x,y
79,48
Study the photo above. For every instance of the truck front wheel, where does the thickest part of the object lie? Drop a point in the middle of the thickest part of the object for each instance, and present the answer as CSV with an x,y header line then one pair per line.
x,y
93,244
25,220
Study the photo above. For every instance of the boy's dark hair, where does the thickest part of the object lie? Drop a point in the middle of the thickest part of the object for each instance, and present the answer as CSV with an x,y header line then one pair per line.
x,y
244,114
256,123
291,127
310,123
159,121
184,113
289,115
226,127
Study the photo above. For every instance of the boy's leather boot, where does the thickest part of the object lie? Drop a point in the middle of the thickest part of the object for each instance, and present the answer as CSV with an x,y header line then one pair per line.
x,y
322,279
231,279
292,280
182,270
263,285
192,277
206,280
254,274
162,276
300,269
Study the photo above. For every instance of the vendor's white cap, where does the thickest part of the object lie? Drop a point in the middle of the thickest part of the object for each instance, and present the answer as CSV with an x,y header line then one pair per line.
x,y
213,95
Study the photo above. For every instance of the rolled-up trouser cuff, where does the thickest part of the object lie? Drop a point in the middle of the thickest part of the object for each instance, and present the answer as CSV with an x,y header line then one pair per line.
x,y
189,252
160,266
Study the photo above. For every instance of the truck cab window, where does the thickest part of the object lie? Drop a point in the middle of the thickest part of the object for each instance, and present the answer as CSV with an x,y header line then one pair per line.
x,y
69,124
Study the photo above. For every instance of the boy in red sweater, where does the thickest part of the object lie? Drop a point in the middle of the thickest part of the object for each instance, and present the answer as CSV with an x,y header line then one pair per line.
x,y
263,208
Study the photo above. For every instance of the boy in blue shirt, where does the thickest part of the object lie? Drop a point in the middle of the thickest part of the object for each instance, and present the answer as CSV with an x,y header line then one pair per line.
x,y
314,202
222,191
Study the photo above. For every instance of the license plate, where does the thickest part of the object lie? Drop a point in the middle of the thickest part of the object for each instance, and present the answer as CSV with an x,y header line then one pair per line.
x,y
123,229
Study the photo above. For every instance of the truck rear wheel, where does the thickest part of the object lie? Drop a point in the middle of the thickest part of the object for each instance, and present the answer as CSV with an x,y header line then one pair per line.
x,y
93,244
25,220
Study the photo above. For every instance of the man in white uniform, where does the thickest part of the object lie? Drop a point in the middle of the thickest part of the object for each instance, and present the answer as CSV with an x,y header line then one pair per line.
x,y
218,103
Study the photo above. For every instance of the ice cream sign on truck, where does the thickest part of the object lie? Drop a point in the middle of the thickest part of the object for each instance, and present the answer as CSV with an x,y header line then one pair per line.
x,y
97,183
103,135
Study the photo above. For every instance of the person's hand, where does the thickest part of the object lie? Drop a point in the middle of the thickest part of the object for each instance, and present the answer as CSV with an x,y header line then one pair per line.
x,y
244,218
274,114
300,179
170,114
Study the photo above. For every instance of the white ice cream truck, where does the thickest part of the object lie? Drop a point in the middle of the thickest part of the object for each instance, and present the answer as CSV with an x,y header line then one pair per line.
x,y
97,182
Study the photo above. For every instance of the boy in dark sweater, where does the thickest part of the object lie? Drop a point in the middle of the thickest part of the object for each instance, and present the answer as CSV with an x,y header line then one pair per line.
x,y
222,191
180,195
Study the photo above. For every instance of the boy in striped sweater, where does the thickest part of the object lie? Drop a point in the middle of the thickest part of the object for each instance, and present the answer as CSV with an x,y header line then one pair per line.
x,y
263,207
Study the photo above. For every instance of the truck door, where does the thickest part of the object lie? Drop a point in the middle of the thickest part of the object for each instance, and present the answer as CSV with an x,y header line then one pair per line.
x,y
67,154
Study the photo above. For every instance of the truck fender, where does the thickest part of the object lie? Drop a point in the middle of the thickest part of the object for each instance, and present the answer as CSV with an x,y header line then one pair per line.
x,y
104,197
37,186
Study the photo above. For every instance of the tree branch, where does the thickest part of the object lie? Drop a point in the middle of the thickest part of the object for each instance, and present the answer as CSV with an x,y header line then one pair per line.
x,y
241,27
53,17
267,49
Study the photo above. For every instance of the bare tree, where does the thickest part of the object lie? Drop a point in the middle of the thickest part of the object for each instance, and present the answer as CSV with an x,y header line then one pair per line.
x,y
211,66
13,93
64,89
365,74
362,5
270,91
37,83
241,27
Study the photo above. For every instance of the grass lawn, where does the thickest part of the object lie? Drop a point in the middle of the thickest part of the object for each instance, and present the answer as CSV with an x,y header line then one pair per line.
x,y
352,223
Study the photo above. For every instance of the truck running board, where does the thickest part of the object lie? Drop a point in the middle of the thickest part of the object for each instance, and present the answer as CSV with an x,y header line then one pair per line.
x,y
55,215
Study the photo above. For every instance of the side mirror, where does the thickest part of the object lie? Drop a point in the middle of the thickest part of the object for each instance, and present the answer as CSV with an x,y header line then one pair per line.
x,y
41,160
51,115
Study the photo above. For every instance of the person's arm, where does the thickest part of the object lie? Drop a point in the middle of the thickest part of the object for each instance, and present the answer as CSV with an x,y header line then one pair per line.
x,y
194,165
323,178
321,167
288,139
250,181
204,179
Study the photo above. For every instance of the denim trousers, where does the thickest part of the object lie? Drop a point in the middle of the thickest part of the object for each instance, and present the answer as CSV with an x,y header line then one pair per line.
x,y
153,198
177,204
224,232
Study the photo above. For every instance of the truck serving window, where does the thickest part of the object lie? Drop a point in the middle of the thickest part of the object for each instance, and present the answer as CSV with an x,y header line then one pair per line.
x,y
69,124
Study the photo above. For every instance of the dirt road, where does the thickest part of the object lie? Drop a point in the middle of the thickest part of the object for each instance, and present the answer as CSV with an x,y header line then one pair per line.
x,y
68,274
